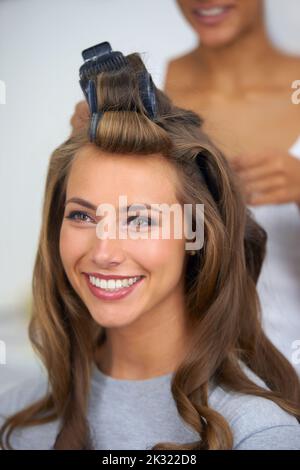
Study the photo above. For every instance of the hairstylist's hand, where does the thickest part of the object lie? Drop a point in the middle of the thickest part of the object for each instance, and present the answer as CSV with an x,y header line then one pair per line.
x,y
270,178
80,116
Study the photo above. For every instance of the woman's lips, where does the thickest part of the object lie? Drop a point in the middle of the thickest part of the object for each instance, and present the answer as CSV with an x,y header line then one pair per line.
x,y
213,15
119,294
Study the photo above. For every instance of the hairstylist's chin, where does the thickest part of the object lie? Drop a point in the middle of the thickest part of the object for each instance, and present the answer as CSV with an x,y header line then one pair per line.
x,y
219,23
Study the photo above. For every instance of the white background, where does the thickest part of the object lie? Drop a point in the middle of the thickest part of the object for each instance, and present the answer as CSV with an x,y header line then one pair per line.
x,y
40,54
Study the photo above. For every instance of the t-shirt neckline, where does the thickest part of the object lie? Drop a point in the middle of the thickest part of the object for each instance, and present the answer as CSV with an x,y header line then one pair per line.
x,y
99,376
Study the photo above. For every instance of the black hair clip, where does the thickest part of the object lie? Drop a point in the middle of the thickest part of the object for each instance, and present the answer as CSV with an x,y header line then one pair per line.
x,y
101,58
146,87
98,58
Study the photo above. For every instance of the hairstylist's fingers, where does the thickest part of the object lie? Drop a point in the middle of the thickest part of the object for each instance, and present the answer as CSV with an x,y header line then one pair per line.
x,y
80,116
262,171
278,196
246,161
265,184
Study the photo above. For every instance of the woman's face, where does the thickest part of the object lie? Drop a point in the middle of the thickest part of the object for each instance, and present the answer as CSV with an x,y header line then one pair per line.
x,y
220,22
158,264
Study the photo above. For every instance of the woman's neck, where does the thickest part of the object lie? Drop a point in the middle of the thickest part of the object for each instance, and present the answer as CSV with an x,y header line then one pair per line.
x,y
240,65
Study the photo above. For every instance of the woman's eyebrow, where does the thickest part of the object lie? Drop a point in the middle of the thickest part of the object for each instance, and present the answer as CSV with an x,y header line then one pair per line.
x,y
82,202
89,205
141,206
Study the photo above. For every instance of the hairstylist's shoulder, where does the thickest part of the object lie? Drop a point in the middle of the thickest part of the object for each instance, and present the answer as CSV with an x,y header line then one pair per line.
x,y
288,68
293,61
256,422
177,76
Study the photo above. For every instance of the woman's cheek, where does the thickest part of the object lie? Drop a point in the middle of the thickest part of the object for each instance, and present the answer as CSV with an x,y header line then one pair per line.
x,y
155,253
72,245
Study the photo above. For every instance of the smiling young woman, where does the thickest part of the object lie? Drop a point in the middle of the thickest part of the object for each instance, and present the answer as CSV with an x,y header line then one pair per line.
x,y
146,346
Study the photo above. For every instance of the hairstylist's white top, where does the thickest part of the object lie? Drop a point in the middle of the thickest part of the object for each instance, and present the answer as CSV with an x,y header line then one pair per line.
x,y
279,282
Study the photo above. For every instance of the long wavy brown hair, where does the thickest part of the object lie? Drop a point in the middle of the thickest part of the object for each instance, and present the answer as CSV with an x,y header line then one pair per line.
x,y
220,287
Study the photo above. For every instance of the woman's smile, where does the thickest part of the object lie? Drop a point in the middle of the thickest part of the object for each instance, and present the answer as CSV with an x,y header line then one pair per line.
x,y
112,289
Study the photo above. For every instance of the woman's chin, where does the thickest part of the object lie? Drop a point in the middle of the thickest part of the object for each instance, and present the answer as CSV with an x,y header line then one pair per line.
x,y
114,318
217,39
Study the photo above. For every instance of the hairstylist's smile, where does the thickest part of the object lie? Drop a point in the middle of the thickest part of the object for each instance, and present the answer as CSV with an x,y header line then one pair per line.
x,y
211,14
111,287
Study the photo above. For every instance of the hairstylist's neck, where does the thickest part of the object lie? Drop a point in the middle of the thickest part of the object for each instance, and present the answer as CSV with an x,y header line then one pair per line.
x,y
241,65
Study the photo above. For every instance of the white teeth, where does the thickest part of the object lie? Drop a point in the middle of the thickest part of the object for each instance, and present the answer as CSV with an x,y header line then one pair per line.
x,y
211,12
113,284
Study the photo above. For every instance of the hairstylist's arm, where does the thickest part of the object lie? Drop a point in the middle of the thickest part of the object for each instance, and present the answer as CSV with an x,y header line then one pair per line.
x,y
271,178
80,116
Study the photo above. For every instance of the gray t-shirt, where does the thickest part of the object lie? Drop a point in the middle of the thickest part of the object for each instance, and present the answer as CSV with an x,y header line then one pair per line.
x,y
137,414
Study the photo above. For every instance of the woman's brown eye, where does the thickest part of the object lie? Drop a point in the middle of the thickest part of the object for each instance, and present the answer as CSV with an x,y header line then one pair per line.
x,y
79,216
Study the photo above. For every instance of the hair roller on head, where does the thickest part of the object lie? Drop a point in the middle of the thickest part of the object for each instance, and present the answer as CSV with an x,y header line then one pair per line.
x,y
101,58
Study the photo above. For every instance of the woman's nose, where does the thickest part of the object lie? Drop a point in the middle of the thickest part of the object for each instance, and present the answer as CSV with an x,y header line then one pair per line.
x,y
107,251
